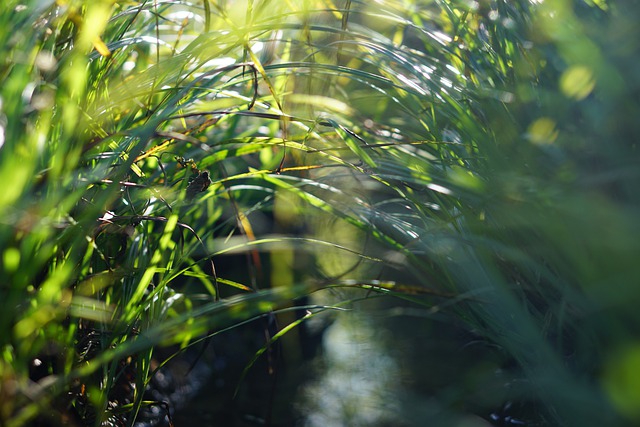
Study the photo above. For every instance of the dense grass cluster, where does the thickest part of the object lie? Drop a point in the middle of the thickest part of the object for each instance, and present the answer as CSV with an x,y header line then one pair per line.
x,y
476,159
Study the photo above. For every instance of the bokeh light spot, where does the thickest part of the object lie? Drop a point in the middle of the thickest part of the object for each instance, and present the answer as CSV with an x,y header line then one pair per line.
x,y
577,82
542,131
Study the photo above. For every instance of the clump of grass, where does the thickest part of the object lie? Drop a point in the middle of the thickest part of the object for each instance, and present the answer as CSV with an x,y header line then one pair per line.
x,y
133,135
454,150
483,143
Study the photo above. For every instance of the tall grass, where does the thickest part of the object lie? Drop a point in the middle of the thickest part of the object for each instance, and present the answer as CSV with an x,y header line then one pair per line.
x,y
498,146
133,136
479,153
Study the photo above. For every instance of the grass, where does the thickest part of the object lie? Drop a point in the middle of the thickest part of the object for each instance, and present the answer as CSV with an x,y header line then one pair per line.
x,y
473,158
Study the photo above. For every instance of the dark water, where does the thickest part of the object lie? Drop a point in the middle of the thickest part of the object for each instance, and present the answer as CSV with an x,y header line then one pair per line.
x,y
391,366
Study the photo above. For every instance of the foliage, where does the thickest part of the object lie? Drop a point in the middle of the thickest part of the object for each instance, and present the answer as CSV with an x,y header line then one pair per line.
x,y
126,139
475,158
510,182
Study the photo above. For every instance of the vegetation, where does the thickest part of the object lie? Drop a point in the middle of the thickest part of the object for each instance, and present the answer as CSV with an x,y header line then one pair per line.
x,y
475,159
